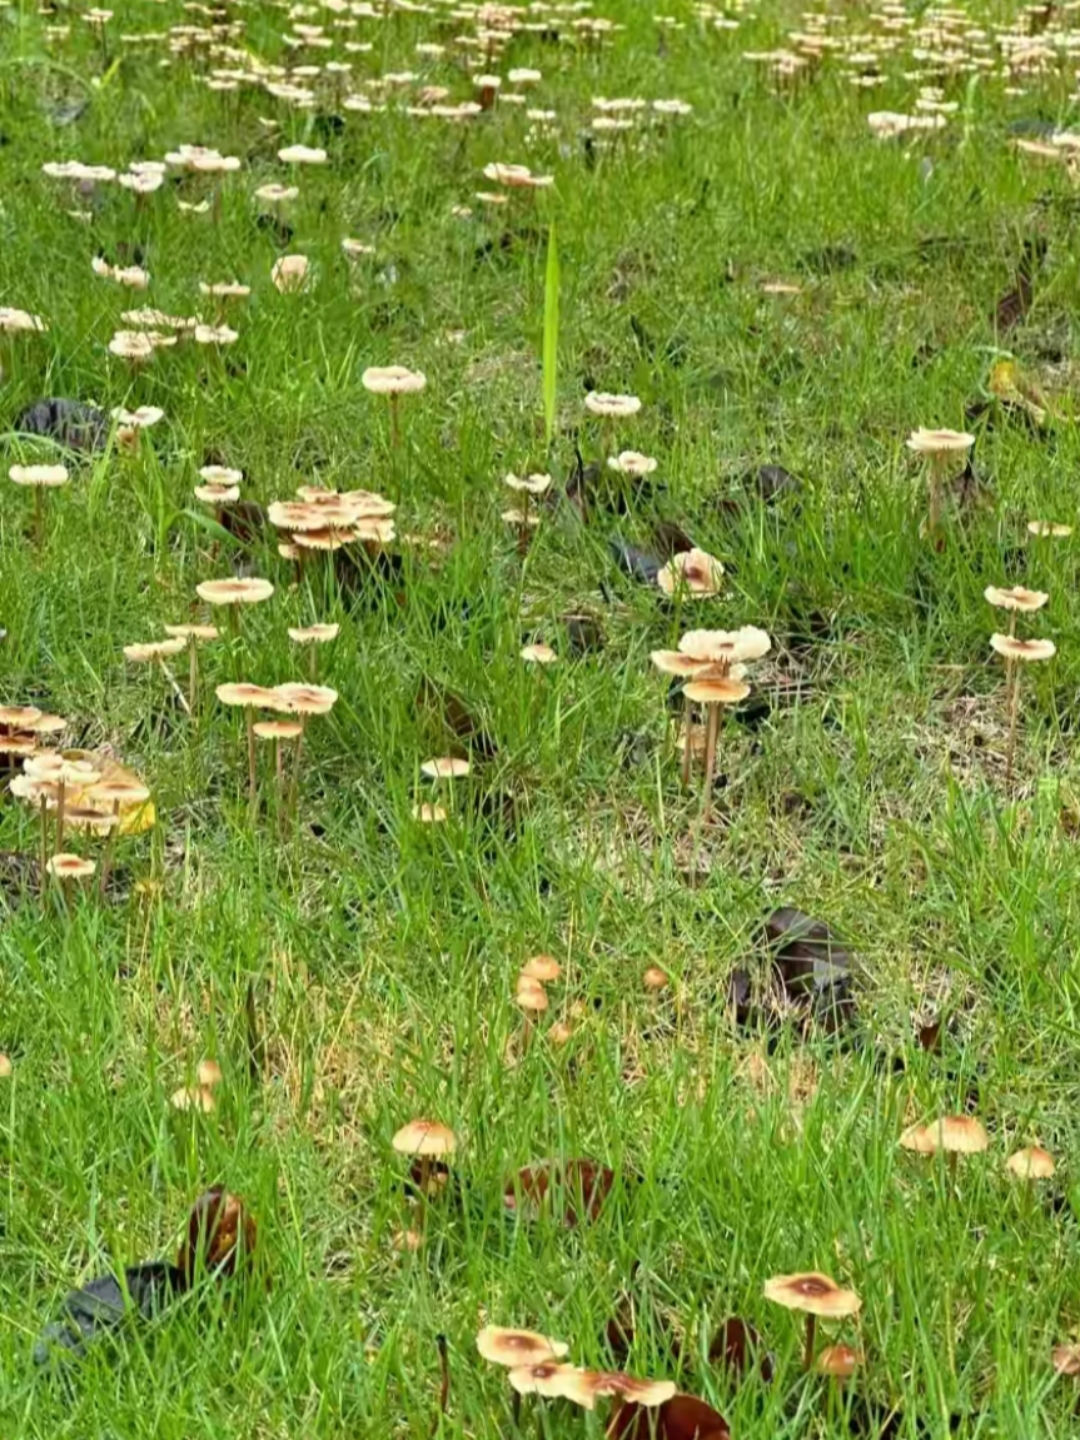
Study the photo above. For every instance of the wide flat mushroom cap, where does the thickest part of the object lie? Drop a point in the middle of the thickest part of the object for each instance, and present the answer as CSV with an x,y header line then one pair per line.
x,y
632,462
70,867
1015,598
671,662
812,1293
155,649
587,1386
548,1378
255,697
716,646
955,1134
278,729
719,691
192,632
424,1137
313,634
599,402
1012,648
541,968
306,699
517,1348
445,767
1031,1163
243,591
20,717
393,380
939,442
47,476
694,570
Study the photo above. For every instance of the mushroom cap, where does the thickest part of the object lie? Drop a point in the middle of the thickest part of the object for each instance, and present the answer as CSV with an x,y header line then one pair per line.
x,y
655,978
528,484
208,1073
585,1387
1066,1359
289,272
814,1294
141,418
46,476
939,442
548,1378
297,699
70,867
20,717
424,1137
120,791
278,729
1012,648
155,650
839,1361
531,996
6,1067
1049,529
671,662
1015,598
275,194
614,407
247,696
225,289
314,634
221,475
722,690
302,155
198,633
725,646
538,654
695,571
1031,1163
515,1349
215,335
193,1097
955,1134
541,968
325,539
393,380
448,767
632,462
85,817
356,247
429,814
247,590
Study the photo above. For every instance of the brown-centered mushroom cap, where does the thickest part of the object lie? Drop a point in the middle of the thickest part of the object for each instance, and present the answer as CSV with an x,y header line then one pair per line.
x,y
548,1378
814,1294
939,442
840,1361
1031,1163
298,699
1015,598
531,996
247,696
242,591
70,867
517,1348
955,1134
719,691
154,650
447,767
424,1138
1012,648
587,1386
198,633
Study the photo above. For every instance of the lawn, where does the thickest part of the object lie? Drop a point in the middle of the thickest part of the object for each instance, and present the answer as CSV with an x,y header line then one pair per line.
x,y
791,286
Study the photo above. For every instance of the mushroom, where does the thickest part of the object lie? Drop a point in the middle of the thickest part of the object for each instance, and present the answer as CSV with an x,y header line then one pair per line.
x,y
585,1387
426,1141
277,731
714,693
429,814
304,701
249,697
39,478
194,635
313,636
953,1135
691,573
156,652
1025,651
839,1362
538,654
524,519
290,272
938,447
116,792
814,1295
541,968
233,593
515,1349
393,381
1015,600
1031,1163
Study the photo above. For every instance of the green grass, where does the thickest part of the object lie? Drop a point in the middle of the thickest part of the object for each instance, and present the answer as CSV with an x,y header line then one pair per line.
x,y
383,954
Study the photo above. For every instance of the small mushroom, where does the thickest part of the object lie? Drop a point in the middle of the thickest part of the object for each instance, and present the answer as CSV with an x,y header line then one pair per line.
x,y
249,698
814,1295
426,1141
1025,652
1031,1163
954,1135
939,448
393,381
39,478
514,1349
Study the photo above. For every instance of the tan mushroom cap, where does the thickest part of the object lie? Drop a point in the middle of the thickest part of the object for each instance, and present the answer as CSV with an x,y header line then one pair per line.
x,y
154,650
722,690
840,1361
515,1349
695,571
118,791
725,646
221,474
531,996
1012,648
1031,1163
955,1134
447,767
194,1097
939,442
244,591
1049,529
612,407
325,539
393,380
197,633
542,969
208,1073
70,867
290,272
86,817
632,462
429,814
814,1294
297,699
47,477
302,155
20,717
538,654
424,1138
6,1067
1015,598
278,729
528,484
547,1378
1066,1359
655,978
585,1387
314,634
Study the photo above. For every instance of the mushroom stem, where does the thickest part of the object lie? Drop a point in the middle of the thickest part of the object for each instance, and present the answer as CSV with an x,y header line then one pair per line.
x,y
688,734
515,1410
1014,710
712,735
444,1381
61,797
523,528
171,678
313,662
39,516
295,802
253,779
44,877
395,423
193,676
808,1351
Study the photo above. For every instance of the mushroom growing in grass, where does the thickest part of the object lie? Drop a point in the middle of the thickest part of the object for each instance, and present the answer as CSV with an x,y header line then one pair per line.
x,y
233,593
68,869
525,487
39,478
692,574
1031,1163
303,701
940,448
714,694
446,767
954,1135
427,1142
1015,600
514,1349
249,698
531,998
193,636
610,408
1016,652
393,381
313,636
278,731
814,1295
156,652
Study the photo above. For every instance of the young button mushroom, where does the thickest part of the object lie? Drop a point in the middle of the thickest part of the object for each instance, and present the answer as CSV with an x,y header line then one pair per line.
x,y
427,1141
1025,652
814,1295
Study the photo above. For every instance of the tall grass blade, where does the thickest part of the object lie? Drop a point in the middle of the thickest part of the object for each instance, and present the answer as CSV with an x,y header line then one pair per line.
x,y
551,333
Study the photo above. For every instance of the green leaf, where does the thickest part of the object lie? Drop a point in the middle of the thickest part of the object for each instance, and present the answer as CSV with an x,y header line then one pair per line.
x,y
551,333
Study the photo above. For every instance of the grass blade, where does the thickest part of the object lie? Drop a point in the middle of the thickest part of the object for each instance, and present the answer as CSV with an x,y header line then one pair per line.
x,y
551,333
